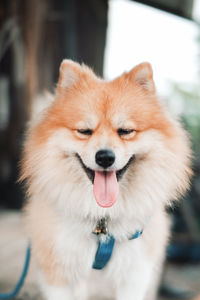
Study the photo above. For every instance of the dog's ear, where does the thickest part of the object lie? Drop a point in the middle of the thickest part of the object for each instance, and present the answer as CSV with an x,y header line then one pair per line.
x,y
72,72
69,73
142,75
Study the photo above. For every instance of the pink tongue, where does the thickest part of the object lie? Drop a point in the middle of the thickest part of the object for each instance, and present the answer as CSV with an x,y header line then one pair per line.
x,y
105,188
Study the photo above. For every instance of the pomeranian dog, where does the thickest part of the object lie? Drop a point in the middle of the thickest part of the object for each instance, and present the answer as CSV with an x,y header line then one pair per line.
x,y
101,163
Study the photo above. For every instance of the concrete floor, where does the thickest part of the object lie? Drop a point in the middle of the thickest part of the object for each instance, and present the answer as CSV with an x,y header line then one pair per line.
x,y
13,245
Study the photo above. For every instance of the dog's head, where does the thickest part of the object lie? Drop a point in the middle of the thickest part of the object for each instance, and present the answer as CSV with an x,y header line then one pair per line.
x,y
109,133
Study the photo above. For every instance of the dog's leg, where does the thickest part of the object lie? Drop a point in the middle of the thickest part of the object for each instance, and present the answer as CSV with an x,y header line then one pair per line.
x,y
57,292
52,288
130,292
135,286
153,288
64,291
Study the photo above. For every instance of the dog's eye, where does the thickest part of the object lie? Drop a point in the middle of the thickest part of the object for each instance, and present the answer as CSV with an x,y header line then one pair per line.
x,y
123,131
85,131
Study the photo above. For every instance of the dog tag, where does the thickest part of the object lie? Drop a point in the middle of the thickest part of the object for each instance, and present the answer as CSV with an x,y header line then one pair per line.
x,y
101,227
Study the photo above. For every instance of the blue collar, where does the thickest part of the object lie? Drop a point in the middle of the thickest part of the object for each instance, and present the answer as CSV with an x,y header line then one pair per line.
x,y
105,249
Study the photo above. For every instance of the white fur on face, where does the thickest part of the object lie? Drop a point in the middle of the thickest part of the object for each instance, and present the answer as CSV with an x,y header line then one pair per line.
x,y
151,180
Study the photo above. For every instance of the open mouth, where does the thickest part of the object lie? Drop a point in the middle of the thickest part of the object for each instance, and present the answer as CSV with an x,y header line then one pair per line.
x,y
105,183
91,173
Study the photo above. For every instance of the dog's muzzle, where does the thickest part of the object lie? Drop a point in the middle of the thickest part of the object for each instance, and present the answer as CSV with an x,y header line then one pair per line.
x,y
119,173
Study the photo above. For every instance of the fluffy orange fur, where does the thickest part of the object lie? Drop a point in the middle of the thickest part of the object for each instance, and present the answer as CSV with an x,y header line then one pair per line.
x,y
49,167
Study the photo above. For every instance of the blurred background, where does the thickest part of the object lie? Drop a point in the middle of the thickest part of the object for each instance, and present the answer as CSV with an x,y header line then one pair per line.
x,y
111,36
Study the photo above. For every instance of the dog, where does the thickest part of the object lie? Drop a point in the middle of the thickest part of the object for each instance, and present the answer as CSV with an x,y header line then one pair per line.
x,y
101,162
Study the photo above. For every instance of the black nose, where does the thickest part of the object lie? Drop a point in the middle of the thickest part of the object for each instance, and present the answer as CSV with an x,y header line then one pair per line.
x,y
105,158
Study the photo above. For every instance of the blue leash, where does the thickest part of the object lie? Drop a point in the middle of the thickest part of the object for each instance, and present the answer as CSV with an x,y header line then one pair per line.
x,y
104,253
105,249
102,257
21,279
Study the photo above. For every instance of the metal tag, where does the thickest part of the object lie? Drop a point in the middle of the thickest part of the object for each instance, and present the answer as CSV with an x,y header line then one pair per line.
x,y
101,227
